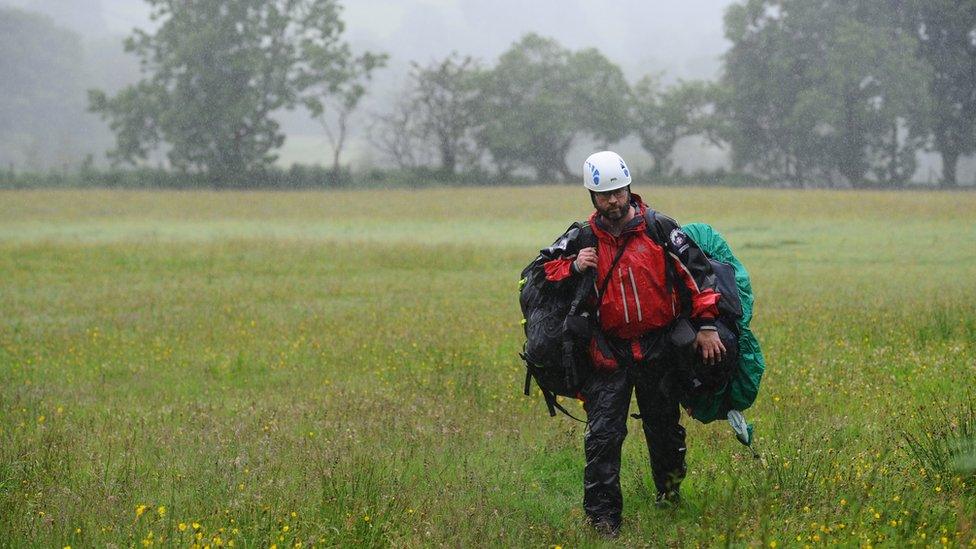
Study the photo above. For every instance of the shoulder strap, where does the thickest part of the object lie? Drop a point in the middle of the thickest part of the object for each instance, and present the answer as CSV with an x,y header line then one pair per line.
x,y
587,237
670,274
652,227
613,265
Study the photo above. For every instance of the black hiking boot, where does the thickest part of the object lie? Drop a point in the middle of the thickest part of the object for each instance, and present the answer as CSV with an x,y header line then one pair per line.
x,y
668,500
607,528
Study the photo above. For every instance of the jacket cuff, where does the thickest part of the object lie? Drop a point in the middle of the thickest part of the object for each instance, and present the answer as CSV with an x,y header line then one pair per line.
x,y
558,269
707,324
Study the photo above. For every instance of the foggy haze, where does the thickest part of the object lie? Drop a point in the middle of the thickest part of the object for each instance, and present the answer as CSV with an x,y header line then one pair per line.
x,y
677,39
684,39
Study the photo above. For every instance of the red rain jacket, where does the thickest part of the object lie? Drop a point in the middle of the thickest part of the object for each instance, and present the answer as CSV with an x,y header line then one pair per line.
x,y
636,299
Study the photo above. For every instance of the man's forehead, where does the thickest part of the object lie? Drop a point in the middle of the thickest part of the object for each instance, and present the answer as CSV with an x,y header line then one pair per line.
x,y
614,191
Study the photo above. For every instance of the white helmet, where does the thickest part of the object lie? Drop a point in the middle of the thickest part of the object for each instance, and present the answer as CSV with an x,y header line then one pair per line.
x,y
605,171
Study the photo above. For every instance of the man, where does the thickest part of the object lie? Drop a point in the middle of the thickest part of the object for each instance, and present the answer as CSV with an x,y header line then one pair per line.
x,y
638,300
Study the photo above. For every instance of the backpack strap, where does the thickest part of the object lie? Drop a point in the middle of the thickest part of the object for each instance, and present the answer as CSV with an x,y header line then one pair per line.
x,y
551,402
586,239
613,264
671,277
554,405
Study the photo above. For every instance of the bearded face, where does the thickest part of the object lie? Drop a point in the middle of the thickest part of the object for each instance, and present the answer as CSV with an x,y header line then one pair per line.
x,y
612,205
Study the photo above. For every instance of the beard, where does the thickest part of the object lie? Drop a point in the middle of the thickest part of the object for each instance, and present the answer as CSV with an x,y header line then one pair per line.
x,y
615,213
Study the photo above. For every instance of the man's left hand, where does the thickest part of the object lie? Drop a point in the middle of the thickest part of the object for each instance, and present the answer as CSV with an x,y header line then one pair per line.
x,y
710,347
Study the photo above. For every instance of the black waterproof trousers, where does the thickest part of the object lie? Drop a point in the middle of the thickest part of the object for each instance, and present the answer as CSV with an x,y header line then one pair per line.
x,y
659,383
607,404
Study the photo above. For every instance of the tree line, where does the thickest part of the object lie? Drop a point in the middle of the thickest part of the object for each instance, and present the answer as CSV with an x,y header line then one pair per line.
x,y
836,92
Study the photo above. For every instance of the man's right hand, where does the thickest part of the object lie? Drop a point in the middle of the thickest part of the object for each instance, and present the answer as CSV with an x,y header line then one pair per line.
x,y
585,259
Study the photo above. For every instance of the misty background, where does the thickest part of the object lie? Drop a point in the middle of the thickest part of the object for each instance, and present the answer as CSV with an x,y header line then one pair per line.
x,y
47,126
679,40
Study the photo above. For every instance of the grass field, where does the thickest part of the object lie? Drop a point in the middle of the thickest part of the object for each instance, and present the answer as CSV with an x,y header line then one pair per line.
x,y
258,369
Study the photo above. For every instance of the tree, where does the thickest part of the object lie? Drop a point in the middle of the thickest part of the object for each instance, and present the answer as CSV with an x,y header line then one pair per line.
x,y
763,80
41,99
821,90
444,95
664,116
339,95
540,97
877,94
946,33
214,74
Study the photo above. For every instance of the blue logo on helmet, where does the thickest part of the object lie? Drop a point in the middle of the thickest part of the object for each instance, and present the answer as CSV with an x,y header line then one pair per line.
x,y
595,173
624,168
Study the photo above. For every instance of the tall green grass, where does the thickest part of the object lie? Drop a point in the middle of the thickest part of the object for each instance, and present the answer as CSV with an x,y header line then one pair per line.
x,y
340,369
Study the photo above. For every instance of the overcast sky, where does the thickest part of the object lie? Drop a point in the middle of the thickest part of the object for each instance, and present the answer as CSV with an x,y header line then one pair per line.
x,y
683,38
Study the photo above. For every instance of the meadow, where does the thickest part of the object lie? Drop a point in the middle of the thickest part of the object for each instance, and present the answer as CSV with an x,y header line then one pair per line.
x,y
257,369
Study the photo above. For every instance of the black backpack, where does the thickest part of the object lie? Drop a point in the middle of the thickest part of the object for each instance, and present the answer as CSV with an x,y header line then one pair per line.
x,y
554,349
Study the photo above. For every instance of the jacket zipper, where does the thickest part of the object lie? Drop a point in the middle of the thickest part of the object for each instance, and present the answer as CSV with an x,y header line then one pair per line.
x,y
633,284
623,295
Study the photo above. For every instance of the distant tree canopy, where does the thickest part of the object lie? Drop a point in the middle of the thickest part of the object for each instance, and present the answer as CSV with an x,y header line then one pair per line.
x,y
540,97
214,72
815,93
445,97
40,91
833,92
840,92
946,34
663,116
435,117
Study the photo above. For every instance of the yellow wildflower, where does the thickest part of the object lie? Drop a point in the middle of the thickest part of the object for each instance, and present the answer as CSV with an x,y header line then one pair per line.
x,y
161,510
140,509
182,527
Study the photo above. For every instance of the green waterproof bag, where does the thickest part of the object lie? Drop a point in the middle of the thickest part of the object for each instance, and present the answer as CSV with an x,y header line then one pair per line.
x,y
740,392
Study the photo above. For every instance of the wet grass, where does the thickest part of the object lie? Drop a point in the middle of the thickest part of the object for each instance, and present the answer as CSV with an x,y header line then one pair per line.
x,y
340,369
